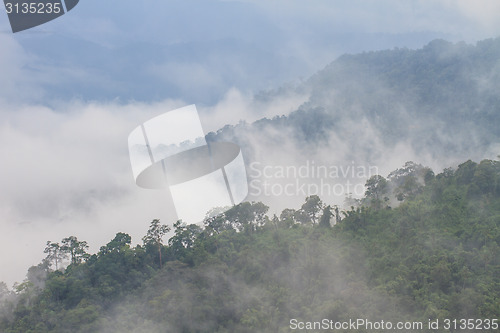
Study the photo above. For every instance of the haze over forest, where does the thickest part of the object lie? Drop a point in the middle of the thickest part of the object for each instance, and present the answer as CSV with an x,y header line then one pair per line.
x,y
434,105
353,88
432,258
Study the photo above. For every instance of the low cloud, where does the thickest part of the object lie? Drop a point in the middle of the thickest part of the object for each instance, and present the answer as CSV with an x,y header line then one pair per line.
x,y
66,171
237,106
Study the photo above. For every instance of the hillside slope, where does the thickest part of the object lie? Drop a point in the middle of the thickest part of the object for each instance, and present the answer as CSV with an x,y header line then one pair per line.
x,y
436,256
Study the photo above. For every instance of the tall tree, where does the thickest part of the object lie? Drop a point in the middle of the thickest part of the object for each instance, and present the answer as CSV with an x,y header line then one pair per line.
x,y
376,187
54,253
119,243
484,176
75,248
337,214
312,207
247,216
155,236
408,188
288,217
324,221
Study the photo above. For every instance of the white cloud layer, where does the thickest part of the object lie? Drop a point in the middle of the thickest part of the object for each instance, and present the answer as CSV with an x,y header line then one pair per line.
x,y
64,161
66,171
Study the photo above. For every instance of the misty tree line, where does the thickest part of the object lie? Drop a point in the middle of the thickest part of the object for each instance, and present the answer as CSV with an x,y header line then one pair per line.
x,y
246,217
417,246
71,247
438,100
400,184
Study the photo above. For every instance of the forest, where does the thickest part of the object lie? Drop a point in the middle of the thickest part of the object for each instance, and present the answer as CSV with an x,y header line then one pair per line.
x,y
419,246
440,100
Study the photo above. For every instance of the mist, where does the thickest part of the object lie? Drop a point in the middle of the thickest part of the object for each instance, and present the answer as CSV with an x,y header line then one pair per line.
x,y
293,276
320,96
66,169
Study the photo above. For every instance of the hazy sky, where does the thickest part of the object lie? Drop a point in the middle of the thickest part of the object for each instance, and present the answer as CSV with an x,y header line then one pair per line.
x,y
198,49
71,90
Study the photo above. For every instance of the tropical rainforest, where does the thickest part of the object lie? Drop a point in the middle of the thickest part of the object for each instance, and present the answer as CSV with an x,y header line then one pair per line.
x,y
419,246
440,101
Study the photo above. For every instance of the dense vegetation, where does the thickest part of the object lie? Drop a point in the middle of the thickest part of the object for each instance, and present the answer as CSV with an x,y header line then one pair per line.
x,y
418,246
436,254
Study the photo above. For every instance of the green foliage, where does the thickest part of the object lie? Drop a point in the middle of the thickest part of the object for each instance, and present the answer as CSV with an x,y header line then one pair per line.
x,y
325,217
439,101
435,256
54,253
184,240
311,209
154,237
247,216
376,187
77,250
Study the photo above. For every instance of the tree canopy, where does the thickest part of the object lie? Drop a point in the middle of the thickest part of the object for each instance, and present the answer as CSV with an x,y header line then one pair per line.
x,y
436,255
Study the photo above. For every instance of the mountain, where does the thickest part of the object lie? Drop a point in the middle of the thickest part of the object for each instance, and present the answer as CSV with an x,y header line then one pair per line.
x,y
442,99
434,257
433,96
421,243
438,105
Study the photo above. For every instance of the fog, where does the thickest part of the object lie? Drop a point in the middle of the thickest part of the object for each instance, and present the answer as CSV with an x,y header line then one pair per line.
x,y
312,273
72,90
66,170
